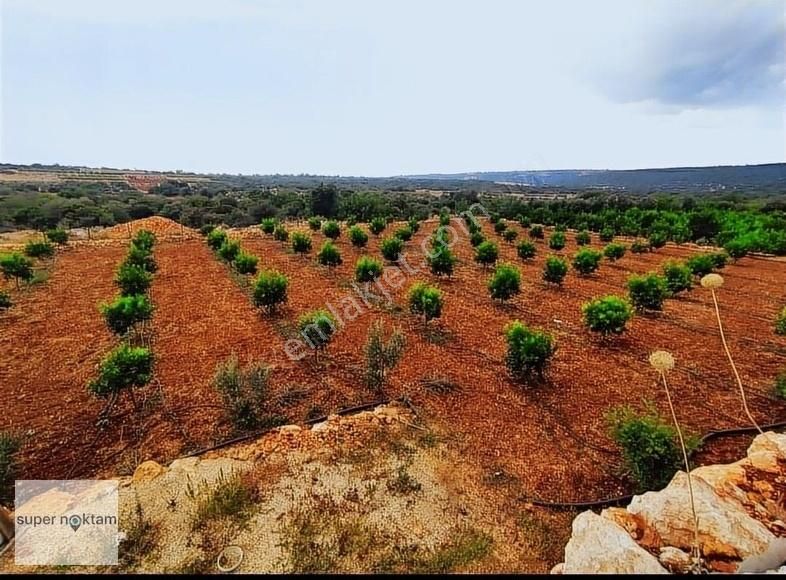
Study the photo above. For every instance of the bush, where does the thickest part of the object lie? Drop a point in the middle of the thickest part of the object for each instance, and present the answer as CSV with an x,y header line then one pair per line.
x,y
444,218
132,279
125,368
16,266
5,300
586,261
500,226
301,242
425,301
701,264
554,270
736,249
650,446
331,229
125,312
510,235
280,234
441,261
606,234
229,250
780,385
377,225
536,232
315,223
270,289
39,249
505,283
486,253
557,241
10,445
614,251
329,254
526,250
367,269
245,392
524,221
382,355
391,248
647,292
658,239
719,260
216,238
141,257
780,323
404,234
206,229
607,315
246,263
529,351
476,238
269,225
317,328
639,247
144,240
583,238
413,225
358,236
678,276
57,236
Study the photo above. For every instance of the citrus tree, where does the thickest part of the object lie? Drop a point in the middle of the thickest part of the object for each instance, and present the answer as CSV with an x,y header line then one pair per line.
x,y
317,328
536,232
39,249
280,234
391,248
367,269
505,283
554,270
216,238
132,279
315,223
557,241
583,238
357,236
331,229
124,369
441,261
16,266
301,243
586,261
486,253
647,292
425,301
270,289
269,225
607,315
377,225
614,251
246,263
678,277
329,254
125,312
529,350
526,250
57,236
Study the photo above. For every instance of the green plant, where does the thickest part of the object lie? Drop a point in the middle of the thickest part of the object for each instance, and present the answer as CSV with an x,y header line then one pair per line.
x,y
554,270
5,300
536,232
441,261
583,238
206,229
317,328
315,223
425,301
377,225
358,236
125,312
132,279
647,292
229,250
586,261
245,392
606,234
486,253
122,370
403,233
270,289
57,236
658,239
529,351
476,238
16,266
500,226
523,220
39,249
367,269
649,445
557,241
719,260
780,385
329,254
144,240
246,263
230,498
526,250
505,283
614,251
678,276
382,355
10,445
391,248
607,315
139,256
413,224
736,249
280,234
268,225
444,218
216,238
780,323
639,247
510,235
331,229
700,264
301,242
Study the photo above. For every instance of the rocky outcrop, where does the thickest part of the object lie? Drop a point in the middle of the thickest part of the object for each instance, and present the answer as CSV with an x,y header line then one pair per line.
x,y
740,510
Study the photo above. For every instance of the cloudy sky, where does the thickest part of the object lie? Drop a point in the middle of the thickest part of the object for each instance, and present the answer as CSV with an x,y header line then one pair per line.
x,y
389,87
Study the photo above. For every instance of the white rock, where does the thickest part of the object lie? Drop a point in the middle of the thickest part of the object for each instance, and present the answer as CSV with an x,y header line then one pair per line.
x,y
675,559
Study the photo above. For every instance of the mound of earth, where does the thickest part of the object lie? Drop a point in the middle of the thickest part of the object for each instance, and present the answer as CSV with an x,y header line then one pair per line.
x,y
162,227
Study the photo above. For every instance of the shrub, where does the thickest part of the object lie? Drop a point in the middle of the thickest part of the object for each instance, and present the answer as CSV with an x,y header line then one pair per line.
x,y
536,232
57,236
132,279
39,249
505,282
648,292
317,328
270,289
404,234
331,229
425,301
500,226
780,323
639,247
10,445
529,351
229,250
5,300
614,251
476,238
510,235
329,254
658,239
414,225
367,269
280,234
554,270
586,261
138,256
245,392
269,225
351,220
301,242
382,355
524,221
439,239
441,261
736,249
124,368
494,218
16,266
700,264
315,223
486,253
526,250
145,240
246,263
216,238
583,238
719,260
125,312
606,234
607,315
444,218
391,248
650,447
358,236
557,241
377,225
678,276
206,229
780,385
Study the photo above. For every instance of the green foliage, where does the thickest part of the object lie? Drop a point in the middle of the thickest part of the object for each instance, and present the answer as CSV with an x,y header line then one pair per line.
x,y
583,238
216,238
329,255
132,279
510,235
315,223
125,312
639,247
648,292
606,234
382,355
476,238
780,323
301,242
650,446
391,248
16,266
367,269
245,392
607,315
280,234
736,249
658,239
523,220
10,445
780,385
441,261
403,233
444,218
229,250
414,225
554,270
126,367
614,251
5,300
486,253
269,225
377,225
536,232
500,226
358,236
331,229
246,263
317,328
39,249
586,261
139,256
678,276
719,260
270,289
144,240
529,351
701,264
505,282
425,301
526,250
324,200
557,241
57,236
206,229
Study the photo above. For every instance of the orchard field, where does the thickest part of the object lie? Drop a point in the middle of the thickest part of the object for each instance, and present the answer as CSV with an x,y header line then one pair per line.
x,y
550,435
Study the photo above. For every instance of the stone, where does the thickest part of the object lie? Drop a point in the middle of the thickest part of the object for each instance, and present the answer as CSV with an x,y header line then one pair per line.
x,y
675,560
148,471
600,546
766,450
290,429
558,568
187,464
644,535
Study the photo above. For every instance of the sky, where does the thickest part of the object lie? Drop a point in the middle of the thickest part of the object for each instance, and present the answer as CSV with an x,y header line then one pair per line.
x,y
392,87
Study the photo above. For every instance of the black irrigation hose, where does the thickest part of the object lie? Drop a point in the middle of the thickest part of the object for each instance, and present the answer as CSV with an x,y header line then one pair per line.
x,y
611,501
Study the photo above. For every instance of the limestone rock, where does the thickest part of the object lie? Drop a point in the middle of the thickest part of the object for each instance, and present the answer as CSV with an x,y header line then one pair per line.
x,y
766,450
558,569
148,471
675,560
